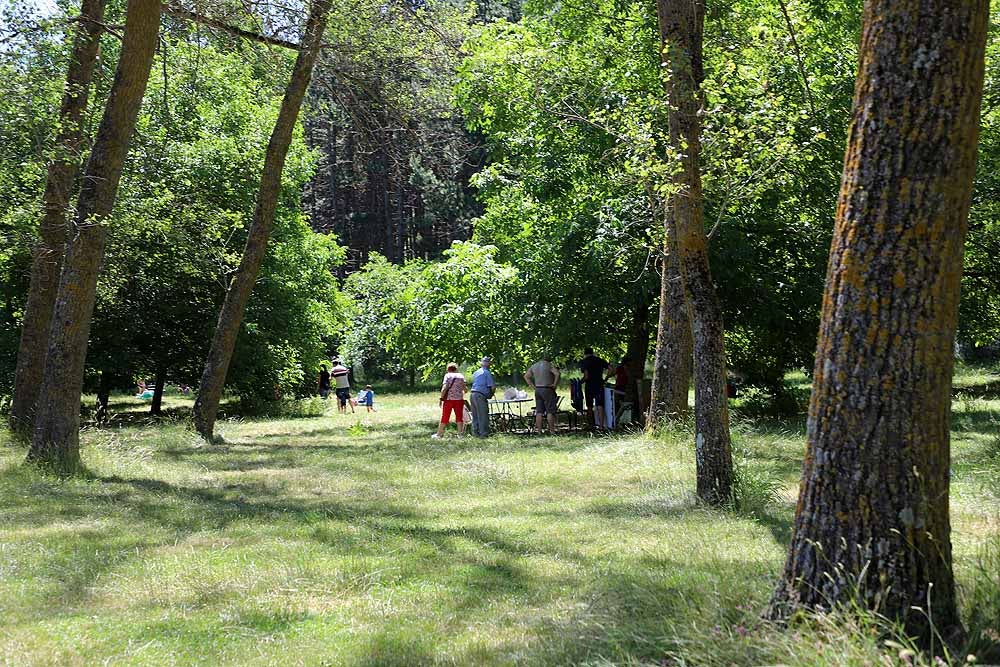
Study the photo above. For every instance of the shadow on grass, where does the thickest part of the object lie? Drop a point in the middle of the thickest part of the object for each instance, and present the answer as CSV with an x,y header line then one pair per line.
x,y
989,390
983,421
663,507
125,418
614,607
780,525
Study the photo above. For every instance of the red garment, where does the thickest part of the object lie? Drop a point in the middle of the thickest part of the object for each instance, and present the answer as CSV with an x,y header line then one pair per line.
x,y
458,407
621,378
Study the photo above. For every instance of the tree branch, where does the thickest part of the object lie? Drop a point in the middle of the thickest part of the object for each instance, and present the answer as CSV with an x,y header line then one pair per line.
x,y
798,56
186,14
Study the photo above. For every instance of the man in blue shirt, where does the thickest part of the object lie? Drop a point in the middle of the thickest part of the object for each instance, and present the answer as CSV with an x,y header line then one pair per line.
x,y
483,387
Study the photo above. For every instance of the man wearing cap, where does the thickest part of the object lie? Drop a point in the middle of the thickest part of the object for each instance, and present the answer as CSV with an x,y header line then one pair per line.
x,y
342,377
483,387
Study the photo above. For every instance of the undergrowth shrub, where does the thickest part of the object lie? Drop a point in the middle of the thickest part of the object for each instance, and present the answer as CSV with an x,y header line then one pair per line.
x,y
755,491
981,600
761,402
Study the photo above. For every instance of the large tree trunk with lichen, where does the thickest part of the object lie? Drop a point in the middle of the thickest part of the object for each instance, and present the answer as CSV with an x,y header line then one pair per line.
x,y
213,378
672,365
47,257
872,524
55,439
681,28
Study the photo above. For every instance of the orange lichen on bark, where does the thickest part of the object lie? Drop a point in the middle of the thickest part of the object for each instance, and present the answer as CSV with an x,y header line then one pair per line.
x,y
888,321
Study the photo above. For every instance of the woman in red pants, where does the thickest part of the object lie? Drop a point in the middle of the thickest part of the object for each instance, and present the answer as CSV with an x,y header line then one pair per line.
x,y
452,400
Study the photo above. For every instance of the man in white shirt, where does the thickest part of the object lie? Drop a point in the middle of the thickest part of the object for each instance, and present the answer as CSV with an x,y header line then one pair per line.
x,y
341,376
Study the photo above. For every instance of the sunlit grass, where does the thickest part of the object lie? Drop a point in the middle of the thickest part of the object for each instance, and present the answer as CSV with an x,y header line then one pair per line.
x,y
358,540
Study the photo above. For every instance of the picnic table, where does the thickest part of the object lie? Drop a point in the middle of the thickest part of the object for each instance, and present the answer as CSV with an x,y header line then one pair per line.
x,y
504,417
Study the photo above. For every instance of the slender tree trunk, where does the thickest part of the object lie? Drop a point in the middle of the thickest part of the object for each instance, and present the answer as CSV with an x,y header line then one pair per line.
x,y
681,27
636,352
55,440
331,174
388,244
155,407
103,397
47,257
400,221
872,521
674,351
213,379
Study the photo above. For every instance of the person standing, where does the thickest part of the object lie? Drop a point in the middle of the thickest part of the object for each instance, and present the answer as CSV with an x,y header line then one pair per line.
x,y
594,369
452,400
367,398
324,382
483,387
543,377
341,377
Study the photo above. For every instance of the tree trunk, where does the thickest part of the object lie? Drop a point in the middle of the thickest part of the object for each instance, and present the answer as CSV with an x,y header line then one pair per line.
x,y
681,26
103,397
872,524
47,257
159,383
674,353
55,441
636,353
213,378
400,222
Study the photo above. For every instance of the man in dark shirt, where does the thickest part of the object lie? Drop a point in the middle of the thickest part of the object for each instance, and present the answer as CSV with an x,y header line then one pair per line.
x,y
324,382
594,369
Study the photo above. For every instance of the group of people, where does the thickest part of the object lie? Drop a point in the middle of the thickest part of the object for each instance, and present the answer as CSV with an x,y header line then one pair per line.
x,y
338,379
453,389
543,377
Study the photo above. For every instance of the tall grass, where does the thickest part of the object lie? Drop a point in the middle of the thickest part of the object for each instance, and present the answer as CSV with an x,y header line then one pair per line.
x,y
357,540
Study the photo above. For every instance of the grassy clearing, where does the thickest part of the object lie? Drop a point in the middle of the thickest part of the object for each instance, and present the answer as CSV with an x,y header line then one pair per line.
x,y
358,540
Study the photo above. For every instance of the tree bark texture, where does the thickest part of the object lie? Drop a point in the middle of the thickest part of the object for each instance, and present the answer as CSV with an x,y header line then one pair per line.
x,y
155,406
674,347
101,412
55,440
213,378
636,353
47,257
872,522
681,28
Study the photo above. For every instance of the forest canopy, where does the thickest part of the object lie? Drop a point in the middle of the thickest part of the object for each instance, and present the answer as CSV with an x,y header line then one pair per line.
x,y
529,135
